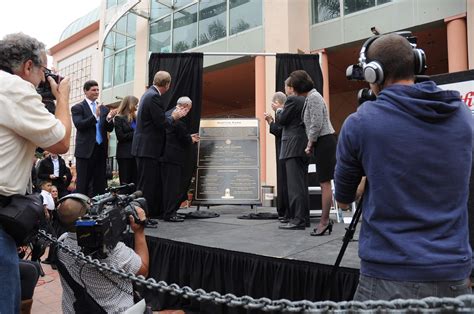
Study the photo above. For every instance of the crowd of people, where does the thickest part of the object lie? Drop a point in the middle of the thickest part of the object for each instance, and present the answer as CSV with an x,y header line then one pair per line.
x,y
414,233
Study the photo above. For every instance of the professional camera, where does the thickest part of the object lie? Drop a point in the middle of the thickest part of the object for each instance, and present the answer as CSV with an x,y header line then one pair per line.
x,y
44,89
99,231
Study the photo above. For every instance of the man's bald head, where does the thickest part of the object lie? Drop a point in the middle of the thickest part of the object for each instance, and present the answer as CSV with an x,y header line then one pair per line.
x,y
396,56
70,210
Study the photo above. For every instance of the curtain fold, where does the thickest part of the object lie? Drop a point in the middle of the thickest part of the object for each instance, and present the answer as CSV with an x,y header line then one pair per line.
x,y
186,71
241,274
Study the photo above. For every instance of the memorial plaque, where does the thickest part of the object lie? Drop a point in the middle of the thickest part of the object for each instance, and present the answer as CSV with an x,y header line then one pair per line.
x,y
228,162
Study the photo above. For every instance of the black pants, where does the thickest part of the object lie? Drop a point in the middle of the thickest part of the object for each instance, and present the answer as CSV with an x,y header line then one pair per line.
x,y
149,182
282,192
171,177
127,170
29,275
91,171
297,186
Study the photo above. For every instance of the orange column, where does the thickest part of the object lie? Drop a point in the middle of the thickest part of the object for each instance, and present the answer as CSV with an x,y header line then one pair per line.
x,y
259,110
457,43
325,70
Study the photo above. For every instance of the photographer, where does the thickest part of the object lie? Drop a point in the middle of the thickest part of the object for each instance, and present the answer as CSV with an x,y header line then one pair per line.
x,y
85,288
414,144
24,124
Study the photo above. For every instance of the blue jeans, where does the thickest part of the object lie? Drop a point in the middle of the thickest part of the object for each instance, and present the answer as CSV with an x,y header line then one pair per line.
x,y
370,288
9,275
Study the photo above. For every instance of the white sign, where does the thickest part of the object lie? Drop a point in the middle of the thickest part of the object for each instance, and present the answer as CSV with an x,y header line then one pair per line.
x,y
466,89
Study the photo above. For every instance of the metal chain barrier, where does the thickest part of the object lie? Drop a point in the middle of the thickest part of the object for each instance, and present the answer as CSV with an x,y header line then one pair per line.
x,y
461,304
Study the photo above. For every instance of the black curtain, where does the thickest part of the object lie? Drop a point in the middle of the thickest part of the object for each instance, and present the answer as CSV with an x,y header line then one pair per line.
x,y
239,273
288,62
186,80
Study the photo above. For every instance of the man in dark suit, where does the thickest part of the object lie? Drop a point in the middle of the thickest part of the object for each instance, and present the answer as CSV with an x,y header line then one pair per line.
x,y
54,168
276,129
92,121
178,141
149,140
293,144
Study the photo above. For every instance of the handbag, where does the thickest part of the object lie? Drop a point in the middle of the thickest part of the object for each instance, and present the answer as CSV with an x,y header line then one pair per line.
x,y
21,216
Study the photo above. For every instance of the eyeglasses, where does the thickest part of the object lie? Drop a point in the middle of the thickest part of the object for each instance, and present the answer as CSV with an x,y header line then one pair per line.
x,y
46,70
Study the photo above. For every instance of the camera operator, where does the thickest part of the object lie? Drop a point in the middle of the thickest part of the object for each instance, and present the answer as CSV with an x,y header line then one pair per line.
x,y
24,124
85,288
414,144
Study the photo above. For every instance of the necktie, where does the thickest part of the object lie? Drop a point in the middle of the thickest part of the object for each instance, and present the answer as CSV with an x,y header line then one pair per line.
x,y
98,135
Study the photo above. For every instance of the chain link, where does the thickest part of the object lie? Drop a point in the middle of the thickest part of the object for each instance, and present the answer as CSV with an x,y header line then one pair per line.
x,y
461,304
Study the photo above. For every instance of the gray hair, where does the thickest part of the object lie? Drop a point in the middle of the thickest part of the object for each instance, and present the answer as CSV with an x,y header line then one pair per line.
x,y
184,100
279,97
16,49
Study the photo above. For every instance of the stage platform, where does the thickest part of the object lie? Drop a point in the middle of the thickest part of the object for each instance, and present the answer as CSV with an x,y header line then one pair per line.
x,y
248,257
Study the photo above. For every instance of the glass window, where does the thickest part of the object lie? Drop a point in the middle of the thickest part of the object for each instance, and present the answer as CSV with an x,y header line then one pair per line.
x,y
109,44
212,21
181,3
111,3
244,14
185,29
108,72
131,28
129,65
119,68
160,35
324,10
351,6
158,9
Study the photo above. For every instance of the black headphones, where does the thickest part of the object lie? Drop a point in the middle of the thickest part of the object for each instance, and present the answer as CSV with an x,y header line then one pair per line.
x,y
373,71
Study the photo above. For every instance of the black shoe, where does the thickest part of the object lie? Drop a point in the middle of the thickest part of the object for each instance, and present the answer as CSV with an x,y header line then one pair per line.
x,y
183,216
284,220
315,232
152,221
292,226
174,219
149,224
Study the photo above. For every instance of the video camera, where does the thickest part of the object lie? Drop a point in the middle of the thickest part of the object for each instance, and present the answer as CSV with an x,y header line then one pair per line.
x,y
99,231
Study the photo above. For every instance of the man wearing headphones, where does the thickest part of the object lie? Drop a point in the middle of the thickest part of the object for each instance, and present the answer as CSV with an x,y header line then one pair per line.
x,y
414,144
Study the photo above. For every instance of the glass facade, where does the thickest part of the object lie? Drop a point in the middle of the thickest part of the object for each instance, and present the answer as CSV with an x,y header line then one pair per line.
x,y
244,14
197,22
185,29
111,3
324,10
119,52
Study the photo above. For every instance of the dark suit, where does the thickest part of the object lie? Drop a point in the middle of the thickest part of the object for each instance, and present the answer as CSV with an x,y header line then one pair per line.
x,y
126,162
293,144
282,194
178,142
148,145
46,168
91,157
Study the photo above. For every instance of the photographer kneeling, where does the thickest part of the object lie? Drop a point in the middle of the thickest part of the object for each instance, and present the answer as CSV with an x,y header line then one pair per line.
x,y
85,288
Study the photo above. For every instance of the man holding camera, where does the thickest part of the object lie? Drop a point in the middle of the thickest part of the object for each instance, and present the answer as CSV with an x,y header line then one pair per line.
x,y
24,125
414,144
85,288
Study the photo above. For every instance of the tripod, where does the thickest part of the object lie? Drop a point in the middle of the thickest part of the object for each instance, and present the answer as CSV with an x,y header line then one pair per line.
x,y
350,230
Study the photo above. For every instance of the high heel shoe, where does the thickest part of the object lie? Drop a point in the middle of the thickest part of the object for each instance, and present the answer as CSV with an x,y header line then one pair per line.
x,y
315,233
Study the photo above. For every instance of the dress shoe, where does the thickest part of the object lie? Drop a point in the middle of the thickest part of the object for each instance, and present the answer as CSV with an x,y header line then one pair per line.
x,y
183,216
174,219
149,224
284,220
328,228
152,221
292,226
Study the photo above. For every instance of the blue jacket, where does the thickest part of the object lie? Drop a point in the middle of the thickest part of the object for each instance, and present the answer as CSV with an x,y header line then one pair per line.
x,y
414,144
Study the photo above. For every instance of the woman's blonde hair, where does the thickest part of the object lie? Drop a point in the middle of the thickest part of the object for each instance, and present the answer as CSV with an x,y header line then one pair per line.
x,y
128,107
